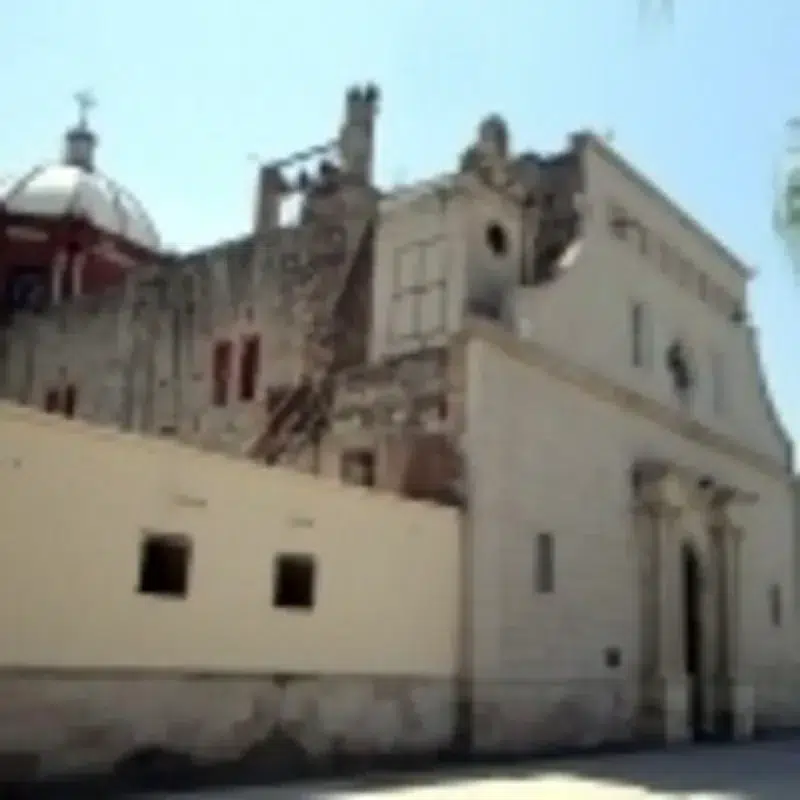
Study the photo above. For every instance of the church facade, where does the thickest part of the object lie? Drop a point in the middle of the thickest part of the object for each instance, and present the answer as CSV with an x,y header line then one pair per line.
x,y
548,344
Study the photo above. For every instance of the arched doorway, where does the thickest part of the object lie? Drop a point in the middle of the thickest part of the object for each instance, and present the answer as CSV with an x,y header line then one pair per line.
x,y
692,576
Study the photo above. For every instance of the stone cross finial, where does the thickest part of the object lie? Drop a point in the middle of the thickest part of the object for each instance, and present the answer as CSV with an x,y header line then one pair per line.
x,y
86,102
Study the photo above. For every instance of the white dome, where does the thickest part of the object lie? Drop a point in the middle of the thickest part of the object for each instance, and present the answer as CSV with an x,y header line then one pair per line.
x,y
56,190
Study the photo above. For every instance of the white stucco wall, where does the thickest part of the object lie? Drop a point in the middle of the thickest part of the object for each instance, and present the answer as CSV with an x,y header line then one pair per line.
x,y
585,314
545,455
74,506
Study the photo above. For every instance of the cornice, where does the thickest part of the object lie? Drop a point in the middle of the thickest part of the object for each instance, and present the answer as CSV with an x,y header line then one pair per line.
x,y
606,390
610,155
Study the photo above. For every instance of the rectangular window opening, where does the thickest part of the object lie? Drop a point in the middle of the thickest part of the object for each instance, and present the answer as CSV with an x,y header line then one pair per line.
x,y
294,582
637,335
358,467
221,372
545,563
164,561
775,605
248,368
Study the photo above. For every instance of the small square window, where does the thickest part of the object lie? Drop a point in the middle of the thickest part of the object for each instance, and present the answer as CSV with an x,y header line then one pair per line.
x,y
545,563
294,582
164,561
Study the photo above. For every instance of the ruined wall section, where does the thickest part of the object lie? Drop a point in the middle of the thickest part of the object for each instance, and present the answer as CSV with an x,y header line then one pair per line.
x,y
139,356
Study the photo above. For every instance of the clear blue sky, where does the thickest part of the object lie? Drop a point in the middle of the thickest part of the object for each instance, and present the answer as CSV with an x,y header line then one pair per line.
x,y
188,90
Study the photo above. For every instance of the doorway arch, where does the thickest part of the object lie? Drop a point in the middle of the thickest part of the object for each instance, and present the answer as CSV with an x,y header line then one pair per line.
x,y
692,601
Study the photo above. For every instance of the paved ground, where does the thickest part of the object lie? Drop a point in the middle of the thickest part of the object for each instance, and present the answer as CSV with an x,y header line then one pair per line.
x,y
748,772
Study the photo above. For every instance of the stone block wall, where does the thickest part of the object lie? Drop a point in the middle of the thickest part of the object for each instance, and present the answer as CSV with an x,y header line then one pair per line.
x,y
541,716
54,724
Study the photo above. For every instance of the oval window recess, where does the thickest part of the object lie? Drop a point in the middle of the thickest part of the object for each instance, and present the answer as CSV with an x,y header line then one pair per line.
x,y
496,239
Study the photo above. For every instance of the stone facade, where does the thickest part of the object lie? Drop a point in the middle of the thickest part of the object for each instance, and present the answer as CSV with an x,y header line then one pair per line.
x,y
618,602
127,724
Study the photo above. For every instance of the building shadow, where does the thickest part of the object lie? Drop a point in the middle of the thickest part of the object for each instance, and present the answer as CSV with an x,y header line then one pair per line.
x,y
755,771
767,770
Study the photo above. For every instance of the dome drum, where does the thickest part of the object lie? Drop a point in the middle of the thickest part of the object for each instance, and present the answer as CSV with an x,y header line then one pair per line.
x,y
69,216
66,233
96,261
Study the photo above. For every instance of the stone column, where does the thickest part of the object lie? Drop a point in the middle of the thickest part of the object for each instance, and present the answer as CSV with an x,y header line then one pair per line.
x,y
671,666
645,531
670,654
732,569
647,527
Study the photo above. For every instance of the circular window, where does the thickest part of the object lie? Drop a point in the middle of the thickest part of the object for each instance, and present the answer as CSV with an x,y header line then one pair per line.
x,y
496,239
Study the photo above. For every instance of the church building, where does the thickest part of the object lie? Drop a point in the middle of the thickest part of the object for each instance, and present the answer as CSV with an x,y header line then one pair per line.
x,y
548,344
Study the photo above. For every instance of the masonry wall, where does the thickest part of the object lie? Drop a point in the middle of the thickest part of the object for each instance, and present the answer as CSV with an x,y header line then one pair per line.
x,y
93,671
548,456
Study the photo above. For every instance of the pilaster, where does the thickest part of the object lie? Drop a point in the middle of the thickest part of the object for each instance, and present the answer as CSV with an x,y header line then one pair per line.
x,y
672,685
733,556
713,638
735,697
670,644
741,694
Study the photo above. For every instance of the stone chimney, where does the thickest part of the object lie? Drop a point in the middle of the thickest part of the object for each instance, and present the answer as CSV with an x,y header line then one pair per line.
x,y
357,135
269,194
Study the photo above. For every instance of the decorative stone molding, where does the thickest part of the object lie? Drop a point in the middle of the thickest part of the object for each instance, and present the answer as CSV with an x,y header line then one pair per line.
x,y
604,389
668,489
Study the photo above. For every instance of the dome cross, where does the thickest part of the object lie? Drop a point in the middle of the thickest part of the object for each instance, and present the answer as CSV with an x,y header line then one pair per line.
x,y
86,102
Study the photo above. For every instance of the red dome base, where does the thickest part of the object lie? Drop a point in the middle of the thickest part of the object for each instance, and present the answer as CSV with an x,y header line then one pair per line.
x,y
43,260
